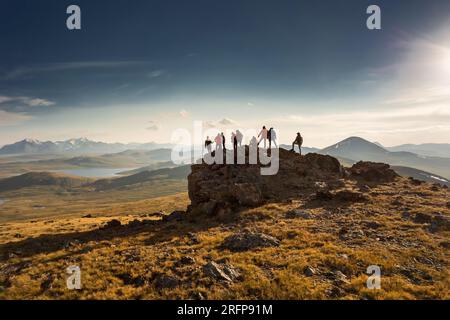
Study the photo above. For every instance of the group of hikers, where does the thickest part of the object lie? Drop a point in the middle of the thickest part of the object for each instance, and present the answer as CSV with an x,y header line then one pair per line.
x,y
264,136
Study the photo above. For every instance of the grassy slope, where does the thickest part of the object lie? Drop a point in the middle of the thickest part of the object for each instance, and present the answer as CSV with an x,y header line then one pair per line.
x,y
414,261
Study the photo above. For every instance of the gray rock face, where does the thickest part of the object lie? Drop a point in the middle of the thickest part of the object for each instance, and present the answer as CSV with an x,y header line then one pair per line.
x,y
249,241
221,271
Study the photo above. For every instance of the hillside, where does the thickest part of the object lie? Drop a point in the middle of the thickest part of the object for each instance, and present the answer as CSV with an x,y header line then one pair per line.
x,y
425,149
41,179
177,173
154,159
311,238
421,175
357,149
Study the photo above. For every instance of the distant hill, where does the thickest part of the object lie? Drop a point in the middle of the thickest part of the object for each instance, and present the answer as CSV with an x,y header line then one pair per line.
x,y
426,149
41,179
155,166
421,175
357,149
127,158
178,173
77,146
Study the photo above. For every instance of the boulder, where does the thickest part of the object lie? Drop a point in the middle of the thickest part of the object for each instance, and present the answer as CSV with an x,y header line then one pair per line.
x,y
112,224
221,271
422,218
439,222
163,281
186,260
309,271
372,172
249,241
174,216
297,213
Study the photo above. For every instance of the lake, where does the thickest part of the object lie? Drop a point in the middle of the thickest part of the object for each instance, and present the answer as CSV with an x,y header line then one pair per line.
x,y
93,172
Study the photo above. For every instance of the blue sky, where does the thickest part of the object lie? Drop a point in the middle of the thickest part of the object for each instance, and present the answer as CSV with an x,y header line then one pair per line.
x,y
140,69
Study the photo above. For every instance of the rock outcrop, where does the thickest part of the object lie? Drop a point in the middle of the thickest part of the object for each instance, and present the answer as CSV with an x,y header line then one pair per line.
x,y
223,187
219,189
372,172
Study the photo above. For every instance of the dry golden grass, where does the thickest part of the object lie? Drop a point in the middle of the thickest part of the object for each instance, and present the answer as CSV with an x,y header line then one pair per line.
x,y
122,263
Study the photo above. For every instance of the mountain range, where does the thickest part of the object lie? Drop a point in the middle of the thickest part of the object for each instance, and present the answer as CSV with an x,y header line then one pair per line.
x,y
348,151
356,149
75,146
425,149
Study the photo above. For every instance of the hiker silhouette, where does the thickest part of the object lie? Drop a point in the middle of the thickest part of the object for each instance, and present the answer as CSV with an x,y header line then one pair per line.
x,y
208,144
263,135
272,136
298,141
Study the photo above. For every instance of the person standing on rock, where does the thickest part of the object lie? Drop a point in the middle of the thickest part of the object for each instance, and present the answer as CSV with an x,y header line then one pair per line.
x,y
223,141
272,135
298,141
239,138
218,141
234,139
263,135
208,144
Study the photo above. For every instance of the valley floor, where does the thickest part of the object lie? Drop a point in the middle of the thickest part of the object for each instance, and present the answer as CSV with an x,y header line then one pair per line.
x,y
321,250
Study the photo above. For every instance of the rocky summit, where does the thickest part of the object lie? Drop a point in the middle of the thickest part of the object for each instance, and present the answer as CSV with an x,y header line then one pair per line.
x,y
223,188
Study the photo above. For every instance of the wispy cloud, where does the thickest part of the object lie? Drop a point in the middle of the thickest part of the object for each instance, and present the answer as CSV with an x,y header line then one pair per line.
x,y
153,126
25,71
27,101
10,118
156,74
227,122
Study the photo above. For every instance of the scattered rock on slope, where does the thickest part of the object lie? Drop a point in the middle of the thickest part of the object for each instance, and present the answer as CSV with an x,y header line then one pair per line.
x,y
221,271
297,213
248,241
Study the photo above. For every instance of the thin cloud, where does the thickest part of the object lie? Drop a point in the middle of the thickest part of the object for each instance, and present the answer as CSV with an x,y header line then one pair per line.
x,y
156,74
27,101
154,126
10,118
227,122
54,67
